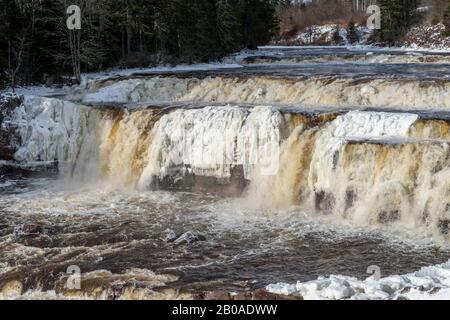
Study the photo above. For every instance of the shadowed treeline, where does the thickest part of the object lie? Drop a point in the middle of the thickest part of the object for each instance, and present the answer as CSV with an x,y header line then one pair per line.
x,y
36,45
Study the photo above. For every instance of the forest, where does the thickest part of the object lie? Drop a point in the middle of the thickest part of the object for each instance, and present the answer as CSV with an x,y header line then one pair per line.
x,y
37,46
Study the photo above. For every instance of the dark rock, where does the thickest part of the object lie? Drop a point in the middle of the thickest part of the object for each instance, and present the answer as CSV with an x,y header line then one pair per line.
x,y
242,284
28,230
243,295
189,237
182,179
388,216
444,226
350,199
263,294
324,201
434,290
258,294
405,290
9,136
215,295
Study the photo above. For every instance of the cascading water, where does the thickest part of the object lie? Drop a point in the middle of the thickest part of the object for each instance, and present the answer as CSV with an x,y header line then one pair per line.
x,y
363,168
263,163
311,91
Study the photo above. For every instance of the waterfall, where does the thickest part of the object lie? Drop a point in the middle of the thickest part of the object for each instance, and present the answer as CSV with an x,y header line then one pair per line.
x,y
311,91
362,168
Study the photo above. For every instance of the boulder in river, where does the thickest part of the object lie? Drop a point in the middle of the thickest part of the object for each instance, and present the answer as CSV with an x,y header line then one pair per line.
x,y
190,237
169,235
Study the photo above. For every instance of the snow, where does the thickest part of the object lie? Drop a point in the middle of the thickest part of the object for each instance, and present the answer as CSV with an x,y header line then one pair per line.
x,y
427,38
360,47
432,282
367,125
41,91
323,34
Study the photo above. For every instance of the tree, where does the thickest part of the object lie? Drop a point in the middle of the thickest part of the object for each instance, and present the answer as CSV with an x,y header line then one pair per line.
x,y
336,36
352,32
228,25
258,21
396,17
446,20
36,45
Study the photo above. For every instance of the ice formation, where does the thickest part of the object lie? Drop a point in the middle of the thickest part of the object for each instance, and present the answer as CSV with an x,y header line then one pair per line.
x,y
213,140
431,282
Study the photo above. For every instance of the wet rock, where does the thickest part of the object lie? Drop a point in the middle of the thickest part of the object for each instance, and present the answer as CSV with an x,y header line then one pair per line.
x,y
388,216
242,284
435,290
350,198
324,201
444,226
258,294
405,290
169,236
263,294
28,230
215,295
243,295
9,135
190,237
182,179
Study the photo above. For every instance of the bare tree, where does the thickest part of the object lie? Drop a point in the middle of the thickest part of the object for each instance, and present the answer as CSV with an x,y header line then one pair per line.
x,y
15,62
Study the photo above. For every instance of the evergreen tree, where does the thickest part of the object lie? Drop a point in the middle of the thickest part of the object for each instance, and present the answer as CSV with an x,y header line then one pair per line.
x,y
259,22
336,36
228,18
36,46
446,20
352,32
396,16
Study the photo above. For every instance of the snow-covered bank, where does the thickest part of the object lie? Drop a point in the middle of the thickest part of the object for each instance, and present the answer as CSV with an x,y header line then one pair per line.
x,y
369,48
431,282
425,37
430,38
327,34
